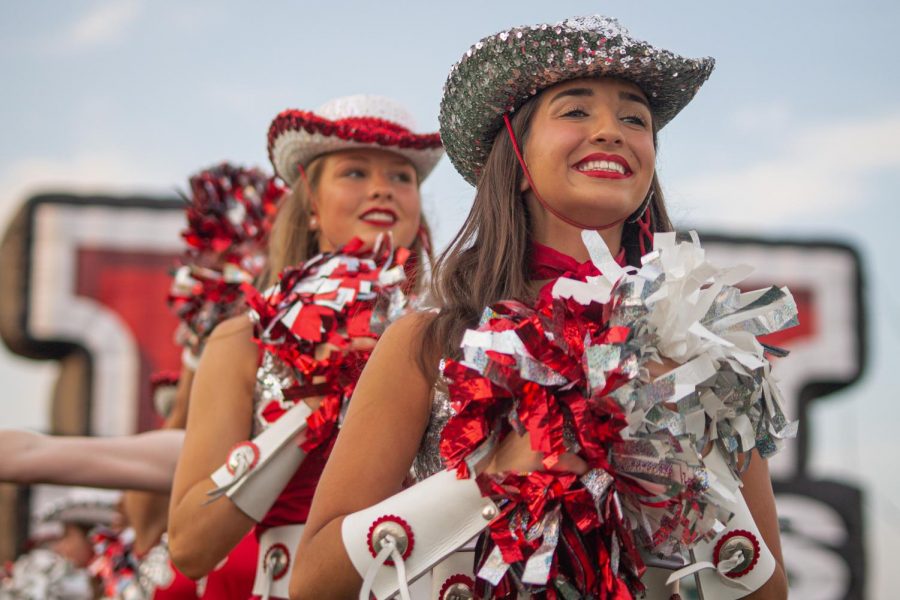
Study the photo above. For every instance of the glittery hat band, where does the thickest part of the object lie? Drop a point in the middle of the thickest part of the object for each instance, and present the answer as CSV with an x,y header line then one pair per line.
x,y
297,137
367,130
547,207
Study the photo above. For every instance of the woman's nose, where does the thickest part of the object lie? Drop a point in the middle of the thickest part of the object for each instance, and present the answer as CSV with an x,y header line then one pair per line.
x,y
381,188
606,129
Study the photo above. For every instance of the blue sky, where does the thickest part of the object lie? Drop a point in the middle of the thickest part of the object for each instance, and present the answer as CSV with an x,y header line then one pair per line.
x,y
797,133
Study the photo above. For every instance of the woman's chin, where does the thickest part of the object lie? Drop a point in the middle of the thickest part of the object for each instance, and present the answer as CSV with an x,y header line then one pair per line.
x,y
592,216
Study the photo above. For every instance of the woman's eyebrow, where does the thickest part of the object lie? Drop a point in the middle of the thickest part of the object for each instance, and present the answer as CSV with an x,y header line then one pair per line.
x,y
576,92
634,98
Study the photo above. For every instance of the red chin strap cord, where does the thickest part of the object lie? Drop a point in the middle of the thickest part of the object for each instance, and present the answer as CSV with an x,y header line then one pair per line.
x,y
643,223
302,170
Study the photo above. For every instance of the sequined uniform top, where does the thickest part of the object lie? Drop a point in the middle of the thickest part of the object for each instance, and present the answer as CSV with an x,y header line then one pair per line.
x,y
428,459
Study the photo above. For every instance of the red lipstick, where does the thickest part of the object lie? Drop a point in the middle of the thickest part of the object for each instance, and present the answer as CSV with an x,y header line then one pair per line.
x,y
616,167
379,217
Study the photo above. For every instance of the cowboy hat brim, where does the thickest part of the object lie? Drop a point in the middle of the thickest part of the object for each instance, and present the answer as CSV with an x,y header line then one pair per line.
x,y
503,71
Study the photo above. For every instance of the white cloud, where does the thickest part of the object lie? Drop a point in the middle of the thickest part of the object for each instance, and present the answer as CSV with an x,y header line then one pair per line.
x,y
105,23
773,114
823,170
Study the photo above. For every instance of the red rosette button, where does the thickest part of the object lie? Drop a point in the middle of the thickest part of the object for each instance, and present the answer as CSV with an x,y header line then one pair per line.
x,y
391,527
277,561
457,587
737,541
242,458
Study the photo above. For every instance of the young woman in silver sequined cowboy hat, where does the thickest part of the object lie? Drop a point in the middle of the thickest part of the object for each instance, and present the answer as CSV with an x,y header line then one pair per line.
x,y
556,126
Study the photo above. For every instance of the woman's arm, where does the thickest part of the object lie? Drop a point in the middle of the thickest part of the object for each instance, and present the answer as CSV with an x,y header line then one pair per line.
x,y
219,416
177,419
760,500
148,514
374,450
142,462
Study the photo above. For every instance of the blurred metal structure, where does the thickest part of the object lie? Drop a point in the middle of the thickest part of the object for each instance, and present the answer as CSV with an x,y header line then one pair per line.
x,y
83,281
823,531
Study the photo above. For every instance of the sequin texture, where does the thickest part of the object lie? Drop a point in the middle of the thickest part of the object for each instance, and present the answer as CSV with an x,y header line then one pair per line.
x,y
272,377
502,71
428,459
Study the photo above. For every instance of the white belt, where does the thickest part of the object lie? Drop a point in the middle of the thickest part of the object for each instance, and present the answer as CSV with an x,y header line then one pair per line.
x,y
277,551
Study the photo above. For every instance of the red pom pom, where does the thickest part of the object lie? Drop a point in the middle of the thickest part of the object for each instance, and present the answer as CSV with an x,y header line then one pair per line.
x,y
310,320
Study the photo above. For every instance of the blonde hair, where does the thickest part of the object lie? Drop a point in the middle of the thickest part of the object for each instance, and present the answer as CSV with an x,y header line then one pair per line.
x,y
292,242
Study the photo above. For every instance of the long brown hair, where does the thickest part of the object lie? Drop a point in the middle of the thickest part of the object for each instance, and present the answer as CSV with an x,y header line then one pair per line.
x,y
292,242
487,261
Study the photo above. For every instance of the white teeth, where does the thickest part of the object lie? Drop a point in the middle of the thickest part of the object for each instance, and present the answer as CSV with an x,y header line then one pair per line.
x,y
602,165
379,217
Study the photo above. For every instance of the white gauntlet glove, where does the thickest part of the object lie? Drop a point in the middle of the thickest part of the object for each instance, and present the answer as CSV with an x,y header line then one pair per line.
x,y
734,564
400,538
257,471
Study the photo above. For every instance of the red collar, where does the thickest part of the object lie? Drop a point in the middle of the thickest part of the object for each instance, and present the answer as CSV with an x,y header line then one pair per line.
x,y
548,263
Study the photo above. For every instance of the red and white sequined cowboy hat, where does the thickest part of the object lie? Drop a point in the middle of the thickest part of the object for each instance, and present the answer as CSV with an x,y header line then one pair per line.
x,y
296,137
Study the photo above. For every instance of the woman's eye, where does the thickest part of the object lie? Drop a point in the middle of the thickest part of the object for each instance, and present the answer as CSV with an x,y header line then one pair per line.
x,y
635,120
575,112
355,173
403,177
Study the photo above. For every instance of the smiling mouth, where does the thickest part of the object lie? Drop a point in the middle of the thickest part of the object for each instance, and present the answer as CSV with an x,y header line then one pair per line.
x,y
380,218
603,168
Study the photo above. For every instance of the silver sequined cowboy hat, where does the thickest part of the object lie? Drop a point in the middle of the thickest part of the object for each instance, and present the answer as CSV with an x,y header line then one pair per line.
x,y
501,72
297,137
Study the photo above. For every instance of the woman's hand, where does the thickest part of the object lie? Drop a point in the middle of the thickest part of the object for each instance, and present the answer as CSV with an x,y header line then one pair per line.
x,y
657,370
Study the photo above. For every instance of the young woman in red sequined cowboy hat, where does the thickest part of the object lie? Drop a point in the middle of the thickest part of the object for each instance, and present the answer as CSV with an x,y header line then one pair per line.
x,y
269,393
573,428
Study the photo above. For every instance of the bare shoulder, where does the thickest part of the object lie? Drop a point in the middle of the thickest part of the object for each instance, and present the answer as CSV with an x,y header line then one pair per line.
x,y
409,328
230,358
238,327
402,342
231,340
395,362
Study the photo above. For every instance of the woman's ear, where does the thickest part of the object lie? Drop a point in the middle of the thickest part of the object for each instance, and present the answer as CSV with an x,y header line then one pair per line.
x,y
313,211
524,186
